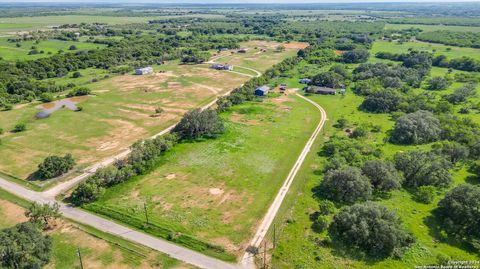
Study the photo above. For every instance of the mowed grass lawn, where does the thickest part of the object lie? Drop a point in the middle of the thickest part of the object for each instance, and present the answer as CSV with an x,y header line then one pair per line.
x,y
119,113
218,190
437,49
297,247
99,250
10,52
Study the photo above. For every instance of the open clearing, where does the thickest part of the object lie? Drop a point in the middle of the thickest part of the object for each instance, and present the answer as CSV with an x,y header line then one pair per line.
x,y
260,55
224,186
119,113
98,250
431,28
9,51
437,49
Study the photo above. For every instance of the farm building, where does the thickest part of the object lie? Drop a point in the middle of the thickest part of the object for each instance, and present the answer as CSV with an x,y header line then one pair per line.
x,y
262,91
228,67
242,50
320,90
305,81
144,71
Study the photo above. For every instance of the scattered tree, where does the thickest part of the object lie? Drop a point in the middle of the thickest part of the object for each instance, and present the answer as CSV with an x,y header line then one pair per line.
x,y
345,185
199,123
438,84
423,168
24,246
43,213
355,56
54,166
19,127
458,213
416,128
425,194
382,174
371,228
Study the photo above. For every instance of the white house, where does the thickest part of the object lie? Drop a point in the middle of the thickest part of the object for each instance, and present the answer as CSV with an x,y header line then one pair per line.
x,y
144,71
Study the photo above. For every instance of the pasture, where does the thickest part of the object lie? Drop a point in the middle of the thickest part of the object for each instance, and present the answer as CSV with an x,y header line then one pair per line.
x,y
432,27
10,52
298,242
223,187
98,249
260,55
120,111
12,26
437,49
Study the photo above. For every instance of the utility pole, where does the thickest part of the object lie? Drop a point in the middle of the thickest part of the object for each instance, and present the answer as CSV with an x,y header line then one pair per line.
x,y
274,236
80,257
146,213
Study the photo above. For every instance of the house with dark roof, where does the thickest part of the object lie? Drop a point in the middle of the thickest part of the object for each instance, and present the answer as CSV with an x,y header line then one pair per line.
x,y
262,91
228,67
320,90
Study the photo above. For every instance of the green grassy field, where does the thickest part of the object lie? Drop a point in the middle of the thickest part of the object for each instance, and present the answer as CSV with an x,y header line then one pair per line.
x,y
297,241
222,186
437,49
431,28
98,249
297,247
256,58
116,116
9,51
10,26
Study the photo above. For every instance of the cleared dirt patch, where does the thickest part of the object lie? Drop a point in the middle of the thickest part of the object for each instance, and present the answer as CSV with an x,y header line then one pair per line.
x,y
296,45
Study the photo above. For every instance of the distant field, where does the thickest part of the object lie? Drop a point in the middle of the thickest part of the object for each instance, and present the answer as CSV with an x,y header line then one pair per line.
x,y
19,24
431,28
223,186
99,250
437,49
256,58
117,115
9,50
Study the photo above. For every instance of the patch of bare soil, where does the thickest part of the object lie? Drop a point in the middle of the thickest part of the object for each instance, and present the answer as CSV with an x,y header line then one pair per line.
x,y
295,45
11,212
123,132
216,191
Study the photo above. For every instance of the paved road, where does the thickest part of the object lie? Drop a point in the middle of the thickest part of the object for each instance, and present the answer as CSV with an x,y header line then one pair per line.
x,y
248,258
78,215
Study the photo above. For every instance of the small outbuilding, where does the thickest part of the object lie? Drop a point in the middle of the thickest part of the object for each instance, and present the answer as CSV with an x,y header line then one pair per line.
x,y
242,50
228,67
305,81
144,70
283,87
262,91
320,90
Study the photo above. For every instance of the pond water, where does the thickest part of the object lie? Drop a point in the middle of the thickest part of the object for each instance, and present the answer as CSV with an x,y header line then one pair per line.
x,y
49,108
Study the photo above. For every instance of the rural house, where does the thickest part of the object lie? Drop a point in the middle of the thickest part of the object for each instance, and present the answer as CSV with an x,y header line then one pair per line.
x,y
228,67
283,87
144,71
262,91
320,90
